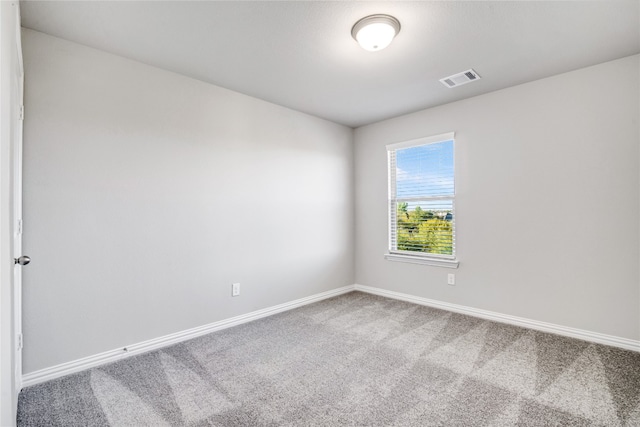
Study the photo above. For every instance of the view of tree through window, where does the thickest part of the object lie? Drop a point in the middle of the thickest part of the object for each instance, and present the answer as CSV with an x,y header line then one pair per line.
x,y
422,199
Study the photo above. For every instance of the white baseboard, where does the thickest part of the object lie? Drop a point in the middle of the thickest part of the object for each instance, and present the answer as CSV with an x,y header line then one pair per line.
x,y
145,346
153,344
512,320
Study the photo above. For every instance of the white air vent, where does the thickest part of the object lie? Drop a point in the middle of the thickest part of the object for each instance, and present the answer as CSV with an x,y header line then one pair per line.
x,y
461,78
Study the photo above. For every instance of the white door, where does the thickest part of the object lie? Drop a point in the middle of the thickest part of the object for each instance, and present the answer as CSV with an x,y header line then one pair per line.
x,y
17,89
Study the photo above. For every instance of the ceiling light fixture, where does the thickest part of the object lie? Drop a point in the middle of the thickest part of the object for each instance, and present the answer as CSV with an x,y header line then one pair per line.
x,y
375,32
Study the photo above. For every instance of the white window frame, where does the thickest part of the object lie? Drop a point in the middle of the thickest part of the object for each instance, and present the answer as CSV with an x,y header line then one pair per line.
x,y
438,260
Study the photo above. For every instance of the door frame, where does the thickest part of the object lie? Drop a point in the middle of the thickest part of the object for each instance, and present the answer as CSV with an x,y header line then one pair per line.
x,y
17,206
10,75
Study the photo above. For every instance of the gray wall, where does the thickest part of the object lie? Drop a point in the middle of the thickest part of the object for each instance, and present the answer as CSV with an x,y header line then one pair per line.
x,y
146,194
547,201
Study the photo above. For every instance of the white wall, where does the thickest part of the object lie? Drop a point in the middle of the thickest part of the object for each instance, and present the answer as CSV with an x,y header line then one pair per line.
x,y
547,201
146,194
10,71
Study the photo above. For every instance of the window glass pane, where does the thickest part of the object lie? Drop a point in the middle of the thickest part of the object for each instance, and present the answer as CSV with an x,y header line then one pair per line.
x,y
425,226
425,170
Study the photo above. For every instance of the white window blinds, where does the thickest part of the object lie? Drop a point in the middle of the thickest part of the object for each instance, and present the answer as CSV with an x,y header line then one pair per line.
x,y
422,197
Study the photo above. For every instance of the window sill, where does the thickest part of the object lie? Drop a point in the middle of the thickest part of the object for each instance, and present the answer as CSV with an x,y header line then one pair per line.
x,y
436,262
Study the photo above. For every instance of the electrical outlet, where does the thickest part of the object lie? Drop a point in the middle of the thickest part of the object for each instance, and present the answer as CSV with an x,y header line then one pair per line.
x,y
451,279
235,289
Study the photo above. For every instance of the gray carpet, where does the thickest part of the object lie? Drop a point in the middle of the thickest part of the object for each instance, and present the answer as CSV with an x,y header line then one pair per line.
x,y
358,360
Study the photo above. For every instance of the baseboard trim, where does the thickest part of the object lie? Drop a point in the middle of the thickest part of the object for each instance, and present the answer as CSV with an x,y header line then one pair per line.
x,y
110,356
156,343
512,320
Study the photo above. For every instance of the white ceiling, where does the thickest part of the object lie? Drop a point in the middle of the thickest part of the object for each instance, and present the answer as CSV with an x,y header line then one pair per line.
x,y
300,54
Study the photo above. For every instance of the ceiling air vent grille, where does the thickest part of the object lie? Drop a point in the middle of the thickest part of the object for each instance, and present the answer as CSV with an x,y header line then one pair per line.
x,y
460,78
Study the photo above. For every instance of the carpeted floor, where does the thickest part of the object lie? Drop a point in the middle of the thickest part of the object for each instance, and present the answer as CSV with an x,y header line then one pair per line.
x,y
358,360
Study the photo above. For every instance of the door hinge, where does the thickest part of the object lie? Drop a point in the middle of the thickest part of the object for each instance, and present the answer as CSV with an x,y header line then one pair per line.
x,y
19,344
19,228
22,112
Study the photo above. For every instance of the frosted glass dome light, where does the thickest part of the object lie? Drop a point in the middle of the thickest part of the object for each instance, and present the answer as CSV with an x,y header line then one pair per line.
x,y
375,32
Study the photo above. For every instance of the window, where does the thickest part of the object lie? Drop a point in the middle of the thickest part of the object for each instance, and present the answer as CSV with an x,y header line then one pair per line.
x,y
422,201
